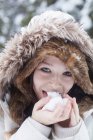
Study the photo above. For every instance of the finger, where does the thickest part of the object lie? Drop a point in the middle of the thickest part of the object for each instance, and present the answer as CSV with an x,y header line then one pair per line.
x,y
76,110
67,96
72,118
58,110
41,103
66,113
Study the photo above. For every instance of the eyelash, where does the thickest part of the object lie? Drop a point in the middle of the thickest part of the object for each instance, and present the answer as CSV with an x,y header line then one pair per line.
x,y
67,73
47,70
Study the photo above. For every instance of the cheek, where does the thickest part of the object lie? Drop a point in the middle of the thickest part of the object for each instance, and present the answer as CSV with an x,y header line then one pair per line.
x,y
36,85
35,80
68,84
40,77
38,80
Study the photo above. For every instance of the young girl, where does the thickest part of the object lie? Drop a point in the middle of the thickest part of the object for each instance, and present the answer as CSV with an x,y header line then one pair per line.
x,y
52,54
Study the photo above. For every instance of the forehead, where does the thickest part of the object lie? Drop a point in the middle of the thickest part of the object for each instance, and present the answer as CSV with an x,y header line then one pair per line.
x,y
53,61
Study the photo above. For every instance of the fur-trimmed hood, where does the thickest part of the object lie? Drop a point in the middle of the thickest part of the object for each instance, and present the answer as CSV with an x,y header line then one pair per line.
x,y
40,29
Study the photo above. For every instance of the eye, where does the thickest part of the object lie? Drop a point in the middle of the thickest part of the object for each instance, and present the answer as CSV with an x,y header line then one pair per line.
x,y
44,69
67,73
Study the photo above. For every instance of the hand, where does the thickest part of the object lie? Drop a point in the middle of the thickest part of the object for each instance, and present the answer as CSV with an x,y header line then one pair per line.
x,y
47,117
75,117
74,114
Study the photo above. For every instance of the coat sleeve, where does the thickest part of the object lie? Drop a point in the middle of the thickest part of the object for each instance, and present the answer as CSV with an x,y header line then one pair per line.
x,y
1,128
31,130
78,132
89,123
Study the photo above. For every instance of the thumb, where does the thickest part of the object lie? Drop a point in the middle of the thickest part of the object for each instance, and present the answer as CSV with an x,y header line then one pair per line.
x,y
41,103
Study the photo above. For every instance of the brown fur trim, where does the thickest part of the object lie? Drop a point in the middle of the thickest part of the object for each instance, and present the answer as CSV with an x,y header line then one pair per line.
x,y
71,56
14,65
85,105
66,52
23,45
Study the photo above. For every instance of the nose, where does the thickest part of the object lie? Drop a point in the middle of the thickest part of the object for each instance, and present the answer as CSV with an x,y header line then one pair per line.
x,y
56,84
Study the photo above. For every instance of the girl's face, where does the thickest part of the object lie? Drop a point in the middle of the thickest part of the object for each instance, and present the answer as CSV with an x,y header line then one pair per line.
x,y
52,75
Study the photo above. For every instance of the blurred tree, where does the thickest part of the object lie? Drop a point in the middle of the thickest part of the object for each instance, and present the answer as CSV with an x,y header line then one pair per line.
x,y
15,14
49,2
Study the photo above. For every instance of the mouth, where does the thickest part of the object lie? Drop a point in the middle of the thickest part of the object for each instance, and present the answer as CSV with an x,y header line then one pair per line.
x,y
44,93
50,93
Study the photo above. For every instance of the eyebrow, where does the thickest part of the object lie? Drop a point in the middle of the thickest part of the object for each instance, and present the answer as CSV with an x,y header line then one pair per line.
x,y
52,65
46,63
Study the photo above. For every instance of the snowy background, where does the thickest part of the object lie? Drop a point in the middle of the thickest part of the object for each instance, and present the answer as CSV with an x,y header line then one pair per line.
x,y
15,14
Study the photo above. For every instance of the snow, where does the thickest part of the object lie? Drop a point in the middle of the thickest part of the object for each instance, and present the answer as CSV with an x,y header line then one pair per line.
x,y
12,13
86,22
85,19
18,19
2,39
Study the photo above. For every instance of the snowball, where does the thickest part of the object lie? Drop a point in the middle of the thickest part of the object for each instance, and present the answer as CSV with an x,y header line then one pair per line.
x,y
56,98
